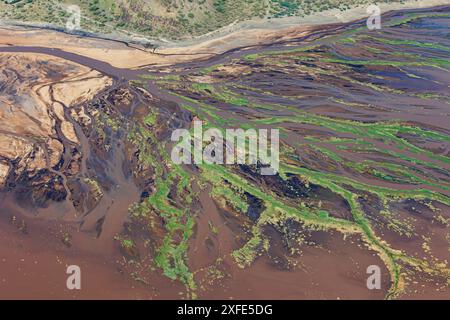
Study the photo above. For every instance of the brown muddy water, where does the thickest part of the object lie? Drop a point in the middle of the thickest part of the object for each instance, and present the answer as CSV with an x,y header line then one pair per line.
x,y
39,239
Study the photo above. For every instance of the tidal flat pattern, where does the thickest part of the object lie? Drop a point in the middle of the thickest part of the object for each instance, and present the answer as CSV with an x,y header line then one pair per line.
x,y
363,117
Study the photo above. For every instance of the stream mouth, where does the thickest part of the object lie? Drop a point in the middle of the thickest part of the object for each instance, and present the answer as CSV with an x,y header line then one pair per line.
x,y
363,179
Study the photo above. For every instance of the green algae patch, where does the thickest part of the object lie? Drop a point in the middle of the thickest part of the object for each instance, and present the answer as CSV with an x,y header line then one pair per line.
x,y
171,256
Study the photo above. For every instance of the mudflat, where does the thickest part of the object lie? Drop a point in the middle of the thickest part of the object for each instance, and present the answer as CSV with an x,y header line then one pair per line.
x,y
87,179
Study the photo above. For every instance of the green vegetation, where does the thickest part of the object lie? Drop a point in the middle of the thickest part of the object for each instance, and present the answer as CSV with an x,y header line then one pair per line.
x,y
166,18
171,256
398,145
